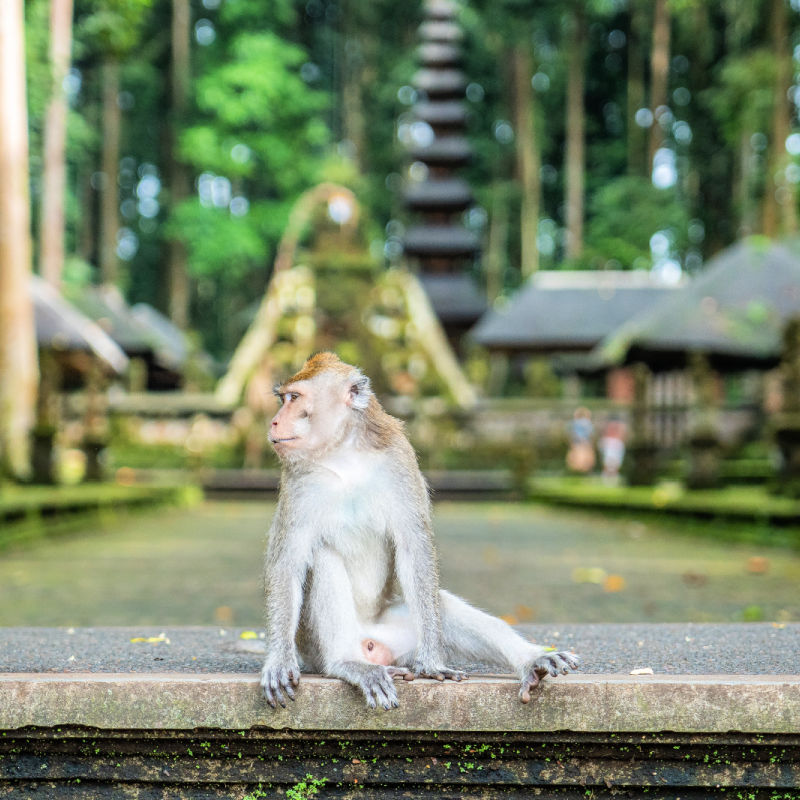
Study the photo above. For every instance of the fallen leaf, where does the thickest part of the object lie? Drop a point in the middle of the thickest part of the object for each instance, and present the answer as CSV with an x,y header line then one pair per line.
x,y
524,613
694,578
757,565
248,635
643,671
223,614
162,637
614,583
588,575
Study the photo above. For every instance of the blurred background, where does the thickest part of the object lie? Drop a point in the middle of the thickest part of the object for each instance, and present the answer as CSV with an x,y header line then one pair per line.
x,y
561,238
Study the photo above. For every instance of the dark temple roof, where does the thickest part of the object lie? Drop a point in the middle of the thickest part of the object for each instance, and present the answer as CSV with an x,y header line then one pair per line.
x,y
561,310
62,327
734,312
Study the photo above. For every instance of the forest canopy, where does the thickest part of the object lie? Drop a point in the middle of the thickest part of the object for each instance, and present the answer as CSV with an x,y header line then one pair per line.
x,y
606,134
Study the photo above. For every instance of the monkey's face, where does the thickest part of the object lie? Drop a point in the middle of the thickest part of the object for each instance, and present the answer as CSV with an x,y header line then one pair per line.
x,y
312,418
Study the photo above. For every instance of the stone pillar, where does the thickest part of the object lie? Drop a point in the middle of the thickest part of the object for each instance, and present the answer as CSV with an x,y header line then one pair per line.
x,y
95,436
786,425
47,414
642,460
704,447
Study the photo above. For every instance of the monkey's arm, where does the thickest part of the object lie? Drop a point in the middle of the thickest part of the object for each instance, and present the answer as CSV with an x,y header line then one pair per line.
x,y
284,574
417,573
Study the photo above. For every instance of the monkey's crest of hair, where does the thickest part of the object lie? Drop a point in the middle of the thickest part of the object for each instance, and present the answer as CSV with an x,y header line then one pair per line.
x,y
380,430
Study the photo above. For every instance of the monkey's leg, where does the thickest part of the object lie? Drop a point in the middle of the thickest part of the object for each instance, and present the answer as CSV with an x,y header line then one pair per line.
x,y
472,634
335,629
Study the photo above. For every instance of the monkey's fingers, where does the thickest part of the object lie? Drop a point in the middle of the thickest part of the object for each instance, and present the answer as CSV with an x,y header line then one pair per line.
x,y
276,690
379,690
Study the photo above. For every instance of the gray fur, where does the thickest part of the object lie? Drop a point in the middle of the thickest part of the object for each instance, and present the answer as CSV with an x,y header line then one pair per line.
x,y
350,543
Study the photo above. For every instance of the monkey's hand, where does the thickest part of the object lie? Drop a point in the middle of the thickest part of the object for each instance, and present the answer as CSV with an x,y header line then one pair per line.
x,y
546,664
436,671
277,678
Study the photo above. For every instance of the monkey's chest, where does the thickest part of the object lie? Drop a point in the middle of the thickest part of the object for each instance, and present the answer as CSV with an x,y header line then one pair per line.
x,y
353,499
355,528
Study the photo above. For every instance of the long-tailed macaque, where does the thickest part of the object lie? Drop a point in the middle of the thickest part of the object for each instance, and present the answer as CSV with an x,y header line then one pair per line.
x,y
350,559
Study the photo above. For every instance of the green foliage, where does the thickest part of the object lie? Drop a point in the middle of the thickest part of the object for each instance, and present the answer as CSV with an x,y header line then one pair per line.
x,y
261,131
306,789
742,101
36,61
624,215
219,243
268,89
114,26
257,98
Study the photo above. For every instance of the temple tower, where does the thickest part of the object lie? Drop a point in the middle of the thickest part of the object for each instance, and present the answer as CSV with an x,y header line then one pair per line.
x,y
443,250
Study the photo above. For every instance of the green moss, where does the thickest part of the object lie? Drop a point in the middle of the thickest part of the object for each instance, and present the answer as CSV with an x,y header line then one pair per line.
x,y
30,512
742,513
306,789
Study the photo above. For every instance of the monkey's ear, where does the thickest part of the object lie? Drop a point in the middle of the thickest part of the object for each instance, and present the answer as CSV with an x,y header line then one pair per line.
x,y
359,393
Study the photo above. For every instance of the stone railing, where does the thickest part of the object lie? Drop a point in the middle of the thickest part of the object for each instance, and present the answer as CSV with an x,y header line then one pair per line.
x,y
112,712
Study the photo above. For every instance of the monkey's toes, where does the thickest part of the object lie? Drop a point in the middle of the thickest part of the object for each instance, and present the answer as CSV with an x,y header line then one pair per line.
x,y
401,672
530,682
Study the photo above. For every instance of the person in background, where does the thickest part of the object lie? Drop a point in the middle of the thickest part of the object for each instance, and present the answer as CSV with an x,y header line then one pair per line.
x,y
580,456
612,449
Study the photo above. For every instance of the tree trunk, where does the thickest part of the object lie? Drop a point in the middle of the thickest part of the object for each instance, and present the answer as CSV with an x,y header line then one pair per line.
x,y
109,191
497,245
743,186
659,74
780,196
54,177
528,157
637,138
18,367
352,60
576,133
180,182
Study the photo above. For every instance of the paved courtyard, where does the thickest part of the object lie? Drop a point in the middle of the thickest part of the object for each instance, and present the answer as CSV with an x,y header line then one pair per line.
x,y
529,563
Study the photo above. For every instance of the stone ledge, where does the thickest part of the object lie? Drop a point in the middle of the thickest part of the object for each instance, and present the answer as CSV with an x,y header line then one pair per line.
x,y
578,703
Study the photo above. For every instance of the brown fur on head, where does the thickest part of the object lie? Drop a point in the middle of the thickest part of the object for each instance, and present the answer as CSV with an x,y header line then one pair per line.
x,y
326,402
320,362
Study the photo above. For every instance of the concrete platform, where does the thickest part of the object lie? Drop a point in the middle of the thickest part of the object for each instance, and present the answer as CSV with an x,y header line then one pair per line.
x,y
178,713
671,649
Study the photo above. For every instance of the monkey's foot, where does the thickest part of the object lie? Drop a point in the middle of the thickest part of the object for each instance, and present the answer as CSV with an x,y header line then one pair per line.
x,y
401,672
547,664
375,682
438,673
277,679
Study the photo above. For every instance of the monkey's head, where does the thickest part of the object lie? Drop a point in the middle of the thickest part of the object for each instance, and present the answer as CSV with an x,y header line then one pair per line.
x,y
320,406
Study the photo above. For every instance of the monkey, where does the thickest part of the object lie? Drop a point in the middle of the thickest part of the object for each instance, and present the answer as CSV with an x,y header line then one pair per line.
x,y
350,554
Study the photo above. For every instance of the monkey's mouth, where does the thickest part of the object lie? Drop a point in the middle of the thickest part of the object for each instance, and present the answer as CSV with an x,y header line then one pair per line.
x,y
282,441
